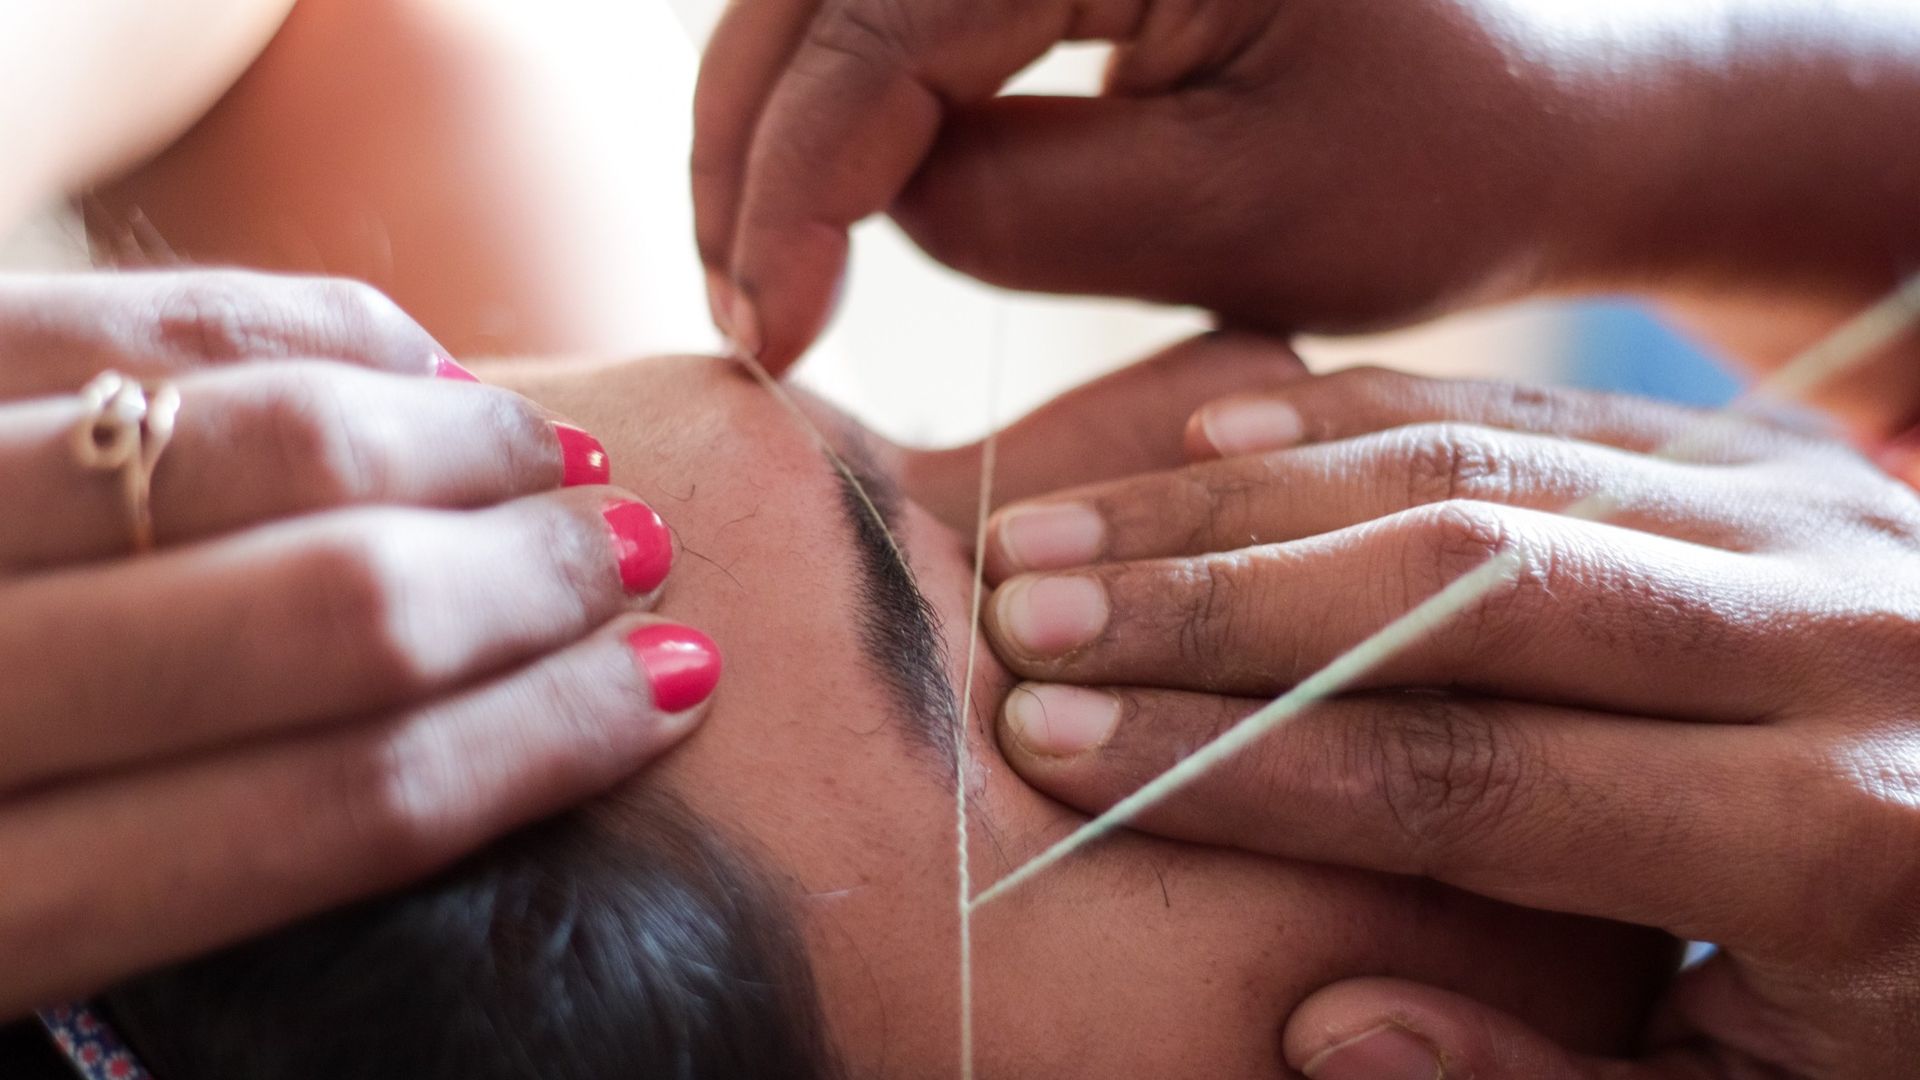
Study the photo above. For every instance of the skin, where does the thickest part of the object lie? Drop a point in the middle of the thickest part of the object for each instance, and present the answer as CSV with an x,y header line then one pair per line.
x,y
327,670
1711,688
1146,958
1317,164
325,705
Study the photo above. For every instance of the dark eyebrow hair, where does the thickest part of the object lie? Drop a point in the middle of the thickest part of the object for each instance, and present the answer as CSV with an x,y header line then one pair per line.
x,y
899,630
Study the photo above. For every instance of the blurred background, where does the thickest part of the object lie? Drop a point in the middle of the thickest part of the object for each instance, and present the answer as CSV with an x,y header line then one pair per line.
x,y
913,345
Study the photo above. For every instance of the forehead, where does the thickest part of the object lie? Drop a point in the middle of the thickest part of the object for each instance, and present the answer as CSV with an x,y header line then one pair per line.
x,y
800,753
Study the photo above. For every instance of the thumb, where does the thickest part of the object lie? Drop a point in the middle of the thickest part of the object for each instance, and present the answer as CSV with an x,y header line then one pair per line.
x,y
1386,1029
1109,196
1131,421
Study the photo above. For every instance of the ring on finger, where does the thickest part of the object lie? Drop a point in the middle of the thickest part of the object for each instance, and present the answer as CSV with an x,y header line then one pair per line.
x,y
127,426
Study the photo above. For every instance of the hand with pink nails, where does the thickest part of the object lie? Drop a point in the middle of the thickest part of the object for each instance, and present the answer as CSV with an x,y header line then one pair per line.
x,y
363,563
1309,164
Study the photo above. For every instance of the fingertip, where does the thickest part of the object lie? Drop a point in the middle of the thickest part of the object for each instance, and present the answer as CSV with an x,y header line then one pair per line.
x,y
1044,536
785,285
1238,426
1388,1029
1050,722
681,667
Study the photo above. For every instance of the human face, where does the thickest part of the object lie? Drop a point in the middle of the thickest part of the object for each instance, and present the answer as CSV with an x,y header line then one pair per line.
x,y
1140,957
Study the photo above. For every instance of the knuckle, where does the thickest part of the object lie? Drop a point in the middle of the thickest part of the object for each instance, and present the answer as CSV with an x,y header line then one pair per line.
x,y
1216,622
1445,462
361,322
1445,770
217,317
310,436
353,601
392,796
870,34
1450,540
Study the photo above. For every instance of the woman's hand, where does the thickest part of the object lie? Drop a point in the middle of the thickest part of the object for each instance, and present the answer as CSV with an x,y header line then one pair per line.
x,y
1697,715
1308,164
384,622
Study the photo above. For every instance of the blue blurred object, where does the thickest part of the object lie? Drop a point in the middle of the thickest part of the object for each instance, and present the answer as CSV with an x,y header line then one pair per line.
x,y
1619,346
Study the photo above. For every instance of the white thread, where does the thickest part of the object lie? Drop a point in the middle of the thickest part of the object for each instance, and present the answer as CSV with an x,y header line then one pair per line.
x,y
1848,347
1322,684
963,866
753,364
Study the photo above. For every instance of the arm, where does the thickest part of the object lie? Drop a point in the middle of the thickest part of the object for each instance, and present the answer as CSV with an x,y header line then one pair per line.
x,y
511,174
90,88
1317,164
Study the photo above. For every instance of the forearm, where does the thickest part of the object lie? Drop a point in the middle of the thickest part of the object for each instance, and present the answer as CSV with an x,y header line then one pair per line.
x,y
89,88
1742,143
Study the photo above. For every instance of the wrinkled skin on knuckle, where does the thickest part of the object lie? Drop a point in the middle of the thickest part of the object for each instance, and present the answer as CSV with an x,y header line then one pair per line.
x,y
313,438
353,590
222,316
1445,770
393,800
364,324
1218,633
1450,462
1445,542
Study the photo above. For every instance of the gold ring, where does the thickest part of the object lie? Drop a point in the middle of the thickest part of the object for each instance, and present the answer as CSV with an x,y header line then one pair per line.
x,y
127,427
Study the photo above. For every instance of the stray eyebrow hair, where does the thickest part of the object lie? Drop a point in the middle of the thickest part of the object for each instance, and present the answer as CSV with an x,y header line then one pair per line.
x,y
899,630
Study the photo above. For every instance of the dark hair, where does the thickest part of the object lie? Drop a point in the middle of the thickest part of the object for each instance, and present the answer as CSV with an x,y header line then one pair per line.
x,y
571,951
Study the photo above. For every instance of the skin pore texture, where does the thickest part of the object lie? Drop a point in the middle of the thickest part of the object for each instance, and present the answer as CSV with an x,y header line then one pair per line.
x,y
1140,958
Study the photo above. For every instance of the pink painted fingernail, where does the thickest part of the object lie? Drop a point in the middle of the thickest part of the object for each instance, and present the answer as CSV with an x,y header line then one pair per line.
x,y
1251,426
643,544
680,663
1388,1052
1061,721
584,458
1052,537
445,367
1051,616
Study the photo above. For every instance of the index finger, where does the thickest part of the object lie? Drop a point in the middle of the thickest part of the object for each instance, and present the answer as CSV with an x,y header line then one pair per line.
x,y
836,136
58,331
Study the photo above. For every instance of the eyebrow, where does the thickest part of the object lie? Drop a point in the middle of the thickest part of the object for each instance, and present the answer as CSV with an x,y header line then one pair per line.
x,y
899,630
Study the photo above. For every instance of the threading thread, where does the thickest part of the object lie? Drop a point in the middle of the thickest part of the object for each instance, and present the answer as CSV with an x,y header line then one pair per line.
x,y
766,379
1846,348
989,456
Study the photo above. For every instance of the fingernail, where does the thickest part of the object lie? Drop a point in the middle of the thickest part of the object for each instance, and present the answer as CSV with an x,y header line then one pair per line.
x,y
1052,615
1388,1052
643,544
585,460
445,367
1250,426
1052,537
743,324
1061,721
681,664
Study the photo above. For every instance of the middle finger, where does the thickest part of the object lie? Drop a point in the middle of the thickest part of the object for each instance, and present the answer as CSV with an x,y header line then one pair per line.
x,y
1598,616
